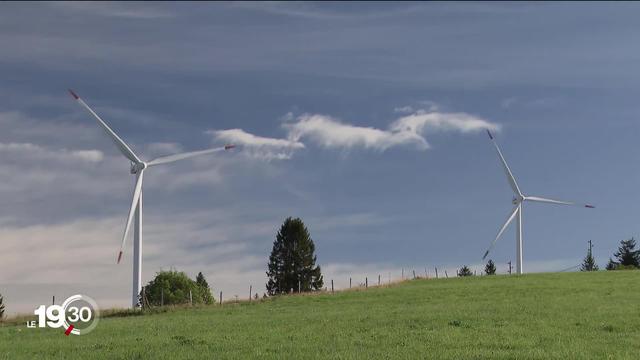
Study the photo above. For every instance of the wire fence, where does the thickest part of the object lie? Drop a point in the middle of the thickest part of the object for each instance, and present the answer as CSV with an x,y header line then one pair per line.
x,y
354,284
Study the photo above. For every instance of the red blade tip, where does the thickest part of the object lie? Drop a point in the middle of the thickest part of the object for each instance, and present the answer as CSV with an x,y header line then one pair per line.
x,y
490,136
229,146
119,256
73,94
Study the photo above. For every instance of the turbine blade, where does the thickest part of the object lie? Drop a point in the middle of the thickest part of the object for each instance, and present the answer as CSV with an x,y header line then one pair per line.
x,y
502,229
134,203
558,202
176,157
507,171
122,146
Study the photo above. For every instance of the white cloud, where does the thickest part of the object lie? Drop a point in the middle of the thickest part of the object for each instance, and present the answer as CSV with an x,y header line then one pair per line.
x,y
130,11
162,148
408,130
36,152
331,133
258,146
404,109
421,122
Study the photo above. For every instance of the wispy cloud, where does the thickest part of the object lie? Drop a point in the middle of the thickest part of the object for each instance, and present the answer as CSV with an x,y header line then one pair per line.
x,y
128,11
331,133
36,152
408,130
258,146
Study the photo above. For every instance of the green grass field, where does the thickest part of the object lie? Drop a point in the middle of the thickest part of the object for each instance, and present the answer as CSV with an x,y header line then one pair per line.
x,y
538,316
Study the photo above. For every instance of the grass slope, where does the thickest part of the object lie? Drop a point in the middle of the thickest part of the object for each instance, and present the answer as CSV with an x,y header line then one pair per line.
x,y
538,316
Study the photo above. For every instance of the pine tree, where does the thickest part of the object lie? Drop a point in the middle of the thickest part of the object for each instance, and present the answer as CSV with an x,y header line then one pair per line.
x,y
292,263
205,290
627,255
612,265
589,263
490,268
1,307
465,271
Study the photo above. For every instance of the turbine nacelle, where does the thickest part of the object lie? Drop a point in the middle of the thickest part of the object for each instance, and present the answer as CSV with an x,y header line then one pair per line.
x,y
517,200
137,167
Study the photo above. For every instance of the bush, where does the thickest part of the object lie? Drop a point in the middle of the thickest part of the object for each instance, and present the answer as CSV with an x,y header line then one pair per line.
x,y
172,288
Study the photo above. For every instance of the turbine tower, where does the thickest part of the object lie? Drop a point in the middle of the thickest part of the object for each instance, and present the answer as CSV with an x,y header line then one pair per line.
x,y
138,168
518,201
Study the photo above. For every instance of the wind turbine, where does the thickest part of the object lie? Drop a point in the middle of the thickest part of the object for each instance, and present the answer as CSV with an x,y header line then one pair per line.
x,y
137,168
518,202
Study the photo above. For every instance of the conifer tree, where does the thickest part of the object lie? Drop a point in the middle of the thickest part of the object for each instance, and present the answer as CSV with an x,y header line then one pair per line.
x,y
612,265
465,271
490,268
589,263
292,263
627,255
205,290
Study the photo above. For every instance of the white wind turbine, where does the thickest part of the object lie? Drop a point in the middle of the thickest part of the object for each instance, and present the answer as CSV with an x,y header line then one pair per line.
x,y
137,168
518,201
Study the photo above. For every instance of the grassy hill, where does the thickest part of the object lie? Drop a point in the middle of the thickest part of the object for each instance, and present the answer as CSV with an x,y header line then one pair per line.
x,y
538,316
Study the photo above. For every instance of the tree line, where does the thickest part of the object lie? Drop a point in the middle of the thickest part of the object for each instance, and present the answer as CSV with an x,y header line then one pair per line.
x,y
292,269
626,258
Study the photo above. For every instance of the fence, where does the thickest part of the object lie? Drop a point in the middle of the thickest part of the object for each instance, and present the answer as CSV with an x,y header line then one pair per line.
x,y
253,296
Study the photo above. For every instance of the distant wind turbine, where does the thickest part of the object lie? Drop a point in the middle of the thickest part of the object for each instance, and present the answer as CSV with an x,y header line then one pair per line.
x,y
137,168
518,201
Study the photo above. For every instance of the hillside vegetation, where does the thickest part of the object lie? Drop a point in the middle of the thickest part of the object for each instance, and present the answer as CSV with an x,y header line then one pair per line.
x,y
540,316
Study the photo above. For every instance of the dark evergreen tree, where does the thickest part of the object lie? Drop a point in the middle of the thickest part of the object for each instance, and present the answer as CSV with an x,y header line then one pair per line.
x,y
612,265
205,290
292,263
465,271
1,307
589,263
490,268
627,255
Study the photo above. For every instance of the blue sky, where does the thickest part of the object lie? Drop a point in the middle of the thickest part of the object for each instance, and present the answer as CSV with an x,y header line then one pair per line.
x,y
363,119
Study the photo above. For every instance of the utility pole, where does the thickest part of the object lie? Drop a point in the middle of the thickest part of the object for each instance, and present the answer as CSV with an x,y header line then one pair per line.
x,y
590,247
509,267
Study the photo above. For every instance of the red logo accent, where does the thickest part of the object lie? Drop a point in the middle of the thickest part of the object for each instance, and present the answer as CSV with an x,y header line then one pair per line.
x,y
69,330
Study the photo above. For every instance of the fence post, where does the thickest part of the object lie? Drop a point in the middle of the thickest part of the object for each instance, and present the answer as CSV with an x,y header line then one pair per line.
x,y
161,297
250,288
366,283
402,276
53,301
426,274
445,274
332,286
436,272
220,298
349,283
378,279
414,274
299,286
190,298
